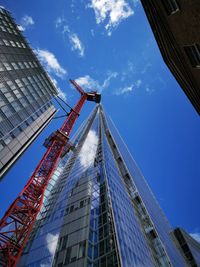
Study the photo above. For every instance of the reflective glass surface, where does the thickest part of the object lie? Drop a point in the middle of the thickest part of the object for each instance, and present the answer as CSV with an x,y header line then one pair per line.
x,y
132,244
41,249
159,220
88,217
25,92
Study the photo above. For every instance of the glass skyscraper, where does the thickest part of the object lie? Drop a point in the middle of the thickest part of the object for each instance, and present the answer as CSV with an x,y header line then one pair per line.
x,y
188,246
98,210
25,93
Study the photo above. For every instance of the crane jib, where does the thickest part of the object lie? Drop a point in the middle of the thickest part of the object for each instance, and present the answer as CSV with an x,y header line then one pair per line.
x,y
18,221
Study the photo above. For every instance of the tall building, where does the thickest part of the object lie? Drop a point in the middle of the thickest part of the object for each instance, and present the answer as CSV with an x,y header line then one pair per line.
x,y
25,93
176,27
99,210
188,246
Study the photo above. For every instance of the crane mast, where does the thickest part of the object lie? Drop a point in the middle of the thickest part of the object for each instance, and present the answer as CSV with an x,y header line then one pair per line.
x,y
17,222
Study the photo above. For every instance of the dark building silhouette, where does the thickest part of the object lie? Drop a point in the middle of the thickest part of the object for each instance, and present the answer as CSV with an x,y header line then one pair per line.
x,y
176,27
188,246
25,93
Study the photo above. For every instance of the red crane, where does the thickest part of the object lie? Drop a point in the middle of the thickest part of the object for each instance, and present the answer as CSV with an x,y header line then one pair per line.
x,y
17,223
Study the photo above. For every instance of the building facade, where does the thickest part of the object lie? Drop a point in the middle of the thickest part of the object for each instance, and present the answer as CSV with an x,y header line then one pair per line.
x,y
99,210
188,246
25,93
176,27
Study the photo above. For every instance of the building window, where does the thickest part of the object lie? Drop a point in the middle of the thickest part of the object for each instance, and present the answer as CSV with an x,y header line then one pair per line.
x,y
1,67
14,31
193,53
18,44
26,64
1,146
7,66
13,43
3,88
3,28
31,65
19,83
11,85
9,30
6,42
82,247
21,65
16,132
171,6
22,44
6,111
7,140
15,66
16,106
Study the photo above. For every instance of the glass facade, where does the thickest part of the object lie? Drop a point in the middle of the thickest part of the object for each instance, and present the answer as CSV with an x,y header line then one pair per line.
x,y
25,93
157,217
188,246
99,211
132,244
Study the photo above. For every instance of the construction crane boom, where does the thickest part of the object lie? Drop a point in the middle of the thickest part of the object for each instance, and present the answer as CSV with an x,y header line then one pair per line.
x,y
17,223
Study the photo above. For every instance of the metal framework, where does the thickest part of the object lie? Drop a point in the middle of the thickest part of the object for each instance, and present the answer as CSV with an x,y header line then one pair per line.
x,y
17,223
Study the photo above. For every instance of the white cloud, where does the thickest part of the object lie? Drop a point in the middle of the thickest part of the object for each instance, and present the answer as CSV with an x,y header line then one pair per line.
x,y
149,90
131,67
50,62
72,5
113,11
89,83
51,241
26,21
138,83
106,82
128,71
124,90
60,92
92,32
76,44
59,21
146,67
128,89
196,236
88,150
154,84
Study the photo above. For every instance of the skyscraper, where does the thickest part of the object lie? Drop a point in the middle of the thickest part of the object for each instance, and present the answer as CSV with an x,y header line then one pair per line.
x,y
188,246
176,27
99,210
25,93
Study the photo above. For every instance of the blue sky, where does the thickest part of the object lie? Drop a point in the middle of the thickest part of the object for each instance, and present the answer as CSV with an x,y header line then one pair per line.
x,y
112,49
